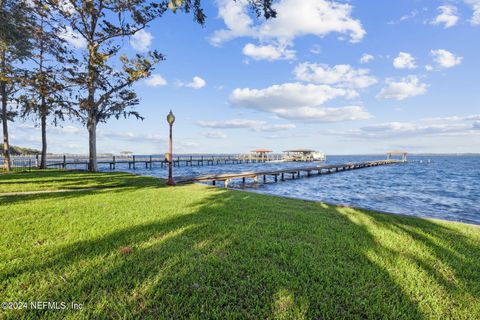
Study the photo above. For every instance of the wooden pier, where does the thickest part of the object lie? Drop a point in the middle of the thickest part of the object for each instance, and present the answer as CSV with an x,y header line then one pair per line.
x,y
149,161
284,174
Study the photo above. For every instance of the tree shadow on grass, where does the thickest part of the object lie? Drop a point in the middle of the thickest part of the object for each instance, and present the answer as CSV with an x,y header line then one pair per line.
x,y
55,180
82,188
451,256
231,257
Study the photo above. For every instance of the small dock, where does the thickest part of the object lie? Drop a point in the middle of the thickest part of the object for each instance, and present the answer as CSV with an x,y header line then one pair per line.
x,y
286,174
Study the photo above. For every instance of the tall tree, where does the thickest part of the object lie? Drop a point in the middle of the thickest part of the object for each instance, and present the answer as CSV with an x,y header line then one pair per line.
x,y
47,92
15,46
105,82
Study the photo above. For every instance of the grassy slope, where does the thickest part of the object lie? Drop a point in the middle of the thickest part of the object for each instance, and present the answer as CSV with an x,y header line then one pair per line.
x,y
212,253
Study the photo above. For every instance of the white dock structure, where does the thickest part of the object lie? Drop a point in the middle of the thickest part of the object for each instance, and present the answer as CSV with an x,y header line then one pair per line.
x,y
303,155
392,153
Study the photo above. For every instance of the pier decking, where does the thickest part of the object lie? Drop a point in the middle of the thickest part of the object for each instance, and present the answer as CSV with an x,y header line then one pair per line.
x,y
283,174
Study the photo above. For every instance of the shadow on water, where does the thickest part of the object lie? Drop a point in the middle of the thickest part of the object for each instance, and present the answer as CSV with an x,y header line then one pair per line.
x,y
233,258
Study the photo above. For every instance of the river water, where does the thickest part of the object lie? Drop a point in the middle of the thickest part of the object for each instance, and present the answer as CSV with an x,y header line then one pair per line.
x,y
444,187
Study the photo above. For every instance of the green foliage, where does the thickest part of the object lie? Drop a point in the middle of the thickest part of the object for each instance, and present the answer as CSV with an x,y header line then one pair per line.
x,y
17,151
142,250
46,92
15,46
15,28
103,88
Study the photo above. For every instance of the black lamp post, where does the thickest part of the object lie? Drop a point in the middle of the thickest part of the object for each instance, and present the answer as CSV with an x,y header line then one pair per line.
x,y
170,120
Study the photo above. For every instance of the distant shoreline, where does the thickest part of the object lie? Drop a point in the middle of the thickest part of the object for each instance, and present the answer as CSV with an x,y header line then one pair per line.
x,y
474,154
413,154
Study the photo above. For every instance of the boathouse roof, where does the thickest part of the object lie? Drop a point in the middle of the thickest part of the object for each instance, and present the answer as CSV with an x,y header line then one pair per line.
x,y
261,151
300,150
397,152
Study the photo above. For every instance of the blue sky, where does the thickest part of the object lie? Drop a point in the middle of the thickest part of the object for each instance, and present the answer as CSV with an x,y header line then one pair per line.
x,y
343,77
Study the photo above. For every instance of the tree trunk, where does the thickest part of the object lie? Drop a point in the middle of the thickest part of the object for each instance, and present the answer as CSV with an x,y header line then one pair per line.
x,y
92,114
43,161
43,104
3,93
92,145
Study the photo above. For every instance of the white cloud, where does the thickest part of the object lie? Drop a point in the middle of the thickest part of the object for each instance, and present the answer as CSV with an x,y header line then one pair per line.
x,y
316,49
448,126
236,19
156,80
130,136
322,114
139,140
294,18
63,129
286,96
276,127
299,101
366,58
68,129
404,88
404,61
268,52
341,75
72,37
255,125
445,59
141,40
448,16
214,135
196,83
231,124
406,17
475,20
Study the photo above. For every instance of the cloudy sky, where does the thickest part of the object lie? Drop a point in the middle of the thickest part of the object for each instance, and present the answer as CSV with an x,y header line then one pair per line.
x,y
343,77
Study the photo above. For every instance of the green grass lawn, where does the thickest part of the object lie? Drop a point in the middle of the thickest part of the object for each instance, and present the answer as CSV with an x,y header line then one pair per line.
x,y
61,180
141,250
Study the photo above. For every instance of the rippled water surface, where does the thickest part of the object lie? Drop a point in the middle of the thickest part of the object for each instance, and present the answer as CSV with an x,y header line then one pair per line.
x,y
445,187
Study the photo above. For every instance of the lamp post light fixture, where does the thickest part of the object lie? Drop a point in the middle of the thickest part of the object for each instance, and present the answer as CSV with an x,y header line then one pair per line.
x,y
170,120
